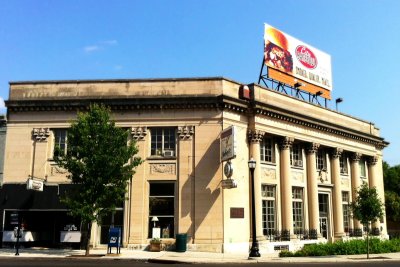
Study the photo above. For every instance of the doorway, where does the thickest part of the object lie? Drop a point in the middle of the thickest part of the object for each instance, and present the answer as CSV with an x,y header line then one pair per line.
x,y
323,200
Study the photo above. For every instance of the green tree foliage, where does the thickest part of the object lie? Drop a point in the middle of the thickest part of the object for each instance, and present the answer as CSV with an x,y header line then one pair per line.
x,y
391,178
100,161
367,207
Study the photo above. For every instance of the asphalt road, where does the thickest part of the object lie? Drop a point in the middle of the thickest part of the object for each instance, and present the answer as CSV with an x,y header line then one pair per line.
x,y
42,262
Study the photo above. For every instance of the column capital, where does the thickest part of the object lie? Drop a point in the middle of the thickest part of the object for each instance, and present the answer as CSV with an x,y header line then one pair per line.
x,y
286,143
312,148
356,156
40,134
372,160
185,132
337,152
138,133
255,136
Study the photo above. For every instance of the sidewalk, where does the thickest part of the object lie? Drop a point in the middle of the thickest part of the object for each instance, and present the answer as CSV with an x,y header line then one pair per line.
x,y
188,256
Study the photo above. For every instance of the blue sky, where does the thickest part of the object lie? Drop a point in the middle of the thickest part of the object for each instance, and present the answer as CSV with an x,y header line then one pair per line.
x,y
76,39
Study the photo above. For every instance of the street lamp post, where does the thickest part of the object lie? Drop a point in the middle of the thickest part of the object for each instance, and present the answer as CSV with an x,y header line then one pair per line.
x,y
254,252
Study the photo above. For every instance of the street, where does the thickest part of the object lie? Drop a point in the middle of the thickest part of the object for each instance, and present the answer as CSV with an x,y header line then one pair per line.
x,y
40,262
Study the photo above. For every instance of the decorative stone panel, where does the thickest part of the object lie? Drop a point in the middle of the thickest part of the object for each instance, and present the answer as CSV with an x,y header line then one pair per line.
x,y
185,132
56,170
297,176
163,168
268,173
138,133
40,134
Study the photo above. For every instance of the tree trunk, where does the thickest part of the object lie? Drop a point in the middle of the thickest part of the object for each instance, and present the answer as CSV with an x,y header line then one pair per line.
x,y
89,233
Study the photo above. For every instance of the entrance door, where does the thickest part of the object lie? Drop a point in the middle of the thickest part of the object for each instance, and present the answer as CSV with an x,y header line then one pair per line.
x,y
323,200
323,227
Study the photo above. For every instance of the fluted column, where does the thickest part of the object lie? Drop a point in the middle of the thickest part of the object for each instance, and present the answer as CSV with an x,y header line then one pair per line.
x,y
337,194
255,137
312,188
286,184
355,182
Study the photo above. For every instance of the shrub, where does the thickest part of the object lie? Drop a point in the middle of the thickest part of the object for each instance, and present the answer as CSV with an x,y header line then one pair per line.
x,y
351,247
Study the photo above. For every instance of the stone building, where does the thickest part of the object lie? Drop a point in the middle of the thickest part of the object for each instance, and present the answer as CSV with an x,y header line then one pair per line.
x,y
309,160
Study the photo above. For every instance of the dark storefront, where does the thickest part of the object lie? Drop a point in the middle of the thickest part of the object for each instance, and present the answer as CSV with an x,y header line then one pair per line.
x,y
41,214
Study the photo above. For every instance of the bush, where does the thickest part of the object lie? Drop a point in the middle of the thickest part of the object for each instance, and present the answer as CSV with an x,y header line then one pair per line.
x,y
352,247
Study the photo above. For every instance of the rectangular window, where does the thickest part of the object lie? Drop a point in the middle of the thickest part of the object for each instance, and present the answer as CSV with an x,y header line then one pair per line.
x,y
321,159
60,142
363,172
343,165
346,211
296,156
162,209
163,142
268,209
297,206
267,150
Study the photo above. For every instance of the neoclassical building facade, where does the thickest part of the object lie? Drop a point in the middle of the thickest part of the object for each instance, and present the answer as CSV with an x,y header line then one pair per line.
x,y
309,162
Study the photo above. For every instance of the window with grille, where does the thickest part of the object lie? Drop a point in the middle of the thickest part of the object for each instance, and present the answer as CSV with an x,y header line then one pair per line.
x,y
343,164
297,206
268,209
267,150
60,142
321,160
296,156
163,142
346,211
162,207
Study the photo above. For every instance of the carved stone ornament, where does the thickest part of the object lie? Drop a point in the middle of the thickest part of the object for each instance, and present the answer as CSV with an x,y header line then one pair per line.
x,y
313,148
163,168
57,170
372,160
356,156
185,132
255,136
337,152
138,133
286,143
40,134
298,176
269,173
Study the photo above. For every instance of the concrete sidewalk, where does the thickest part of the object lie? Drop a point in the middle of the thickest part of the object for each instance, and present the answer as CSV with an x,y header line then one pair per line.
x,y
188,256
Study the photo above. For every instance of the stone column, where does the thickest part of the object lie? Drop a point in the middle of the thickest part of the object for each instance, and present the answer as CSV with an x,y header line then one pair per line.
x,y
255,137
337,194
312,188
355,182
374,182
185,181
286,184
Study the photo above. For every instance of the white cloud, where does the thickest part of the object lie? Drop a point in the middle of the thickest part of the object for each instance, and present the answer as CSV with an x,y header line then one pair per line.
x,y
91,48
99,46
109,42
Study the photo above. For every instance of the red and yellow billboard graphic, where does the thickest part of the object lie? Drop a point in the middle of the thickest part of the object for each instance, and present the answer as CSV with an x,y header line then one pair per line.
x,y
289,55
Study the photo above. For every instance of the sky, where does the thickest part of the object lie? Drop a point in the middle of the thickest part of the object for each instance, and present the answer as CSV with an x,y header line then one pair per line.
x,y
84,39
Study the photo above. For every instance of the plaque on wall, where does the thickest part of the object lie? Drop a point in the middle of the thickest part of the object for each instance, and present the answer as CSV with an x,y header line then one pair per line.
x,y
237,213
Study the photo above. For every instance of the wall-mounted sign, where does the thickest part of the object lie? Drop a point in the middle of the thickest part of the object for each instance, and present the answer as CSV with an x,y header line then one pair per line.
x,y
228,144
229,184
32,184
237,213
295,58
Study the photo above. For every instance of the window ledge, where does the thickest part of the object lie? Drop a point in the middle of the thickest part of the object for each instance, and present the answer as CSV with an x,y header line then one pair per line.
x,y
160,158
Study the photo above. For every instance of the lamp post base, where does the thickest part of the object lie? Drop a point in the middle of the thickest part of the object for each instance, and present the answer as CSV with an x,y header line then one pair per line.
x,y
254,252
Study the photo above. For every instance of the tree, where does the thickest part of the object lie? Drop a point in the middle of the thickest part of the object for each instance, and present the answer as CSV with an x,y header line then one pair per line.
x,y
367,208
100,161
391,178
